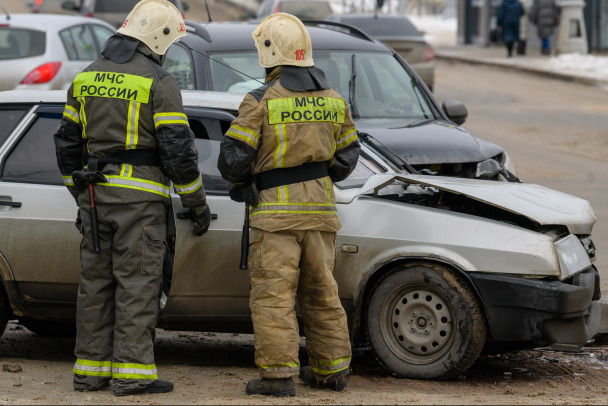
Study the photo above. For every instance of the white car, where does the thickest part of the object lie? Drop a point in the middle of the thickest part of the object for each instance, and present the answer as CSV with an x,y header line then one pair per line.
x,y
46,51
429,268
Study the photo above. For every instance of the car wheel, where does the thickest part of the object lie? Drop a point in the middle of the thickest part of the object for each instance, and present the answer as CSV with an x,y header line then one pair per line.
x,y
49,328
423,321
5,309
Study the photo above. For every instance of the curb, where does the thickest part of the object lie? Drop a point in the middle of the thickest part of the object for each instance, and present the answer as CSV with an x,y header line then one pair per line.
x,y
527,69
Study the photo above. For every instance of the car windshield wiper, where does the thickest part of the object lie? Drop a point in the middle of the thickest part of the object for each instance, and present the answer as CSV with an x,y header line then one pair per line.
x,y
351,90
419,122
388,153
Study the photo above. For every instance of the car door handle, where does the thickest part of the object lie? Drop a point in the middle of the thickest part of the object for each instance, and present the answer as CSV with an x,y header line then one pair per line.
x,y
12,204
185,215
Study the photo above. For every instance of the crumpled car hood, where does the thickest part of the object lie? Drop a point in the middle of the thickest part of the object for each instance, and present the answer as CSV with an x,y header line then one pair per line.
x,y
435,142
540,204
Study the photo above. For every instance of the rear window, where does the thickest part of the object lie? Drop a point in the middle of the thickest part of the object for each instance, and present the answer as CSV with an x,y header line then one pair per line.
x,y
21,43
316,10
384,26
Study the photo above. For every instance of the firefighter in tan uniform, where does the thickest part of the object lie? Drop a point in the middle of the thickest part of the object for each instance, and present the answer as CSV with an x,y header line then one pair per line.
x,y
123,136
292,139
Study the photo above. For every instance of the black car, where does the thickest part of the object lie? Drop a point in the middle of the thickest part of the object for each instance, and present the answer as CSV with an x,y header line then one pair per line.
x,y
388,100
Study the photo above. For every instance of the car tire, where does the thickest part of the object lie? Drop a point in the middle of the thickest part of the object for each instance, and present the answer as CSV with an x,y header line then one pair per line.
x,y
5,309
423,321
49,328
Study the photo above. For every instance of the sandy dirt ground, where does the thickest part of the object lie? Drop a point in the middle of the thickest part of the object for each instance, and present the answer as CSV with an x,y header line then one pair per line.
x,y
212,368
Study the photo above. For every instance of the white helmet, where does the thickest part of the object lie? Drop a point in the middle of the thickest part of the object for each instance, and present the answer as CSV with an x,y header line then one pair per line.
x,y
156,23
282,39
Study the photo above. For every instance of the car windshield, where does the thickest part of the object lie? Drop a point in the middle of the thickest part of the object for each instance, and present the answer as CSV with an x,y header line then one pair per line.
x,y
382,87
21,43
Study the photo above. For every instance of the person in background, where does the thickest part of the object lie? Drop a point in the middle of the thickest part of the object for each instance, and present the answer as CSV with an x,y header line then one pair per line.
x,y
509,14
523,28
545,16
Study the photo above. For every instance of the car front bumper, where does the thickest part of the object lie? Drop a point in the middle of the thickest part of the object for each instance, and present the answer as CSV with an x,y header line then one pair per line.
x,y
554,312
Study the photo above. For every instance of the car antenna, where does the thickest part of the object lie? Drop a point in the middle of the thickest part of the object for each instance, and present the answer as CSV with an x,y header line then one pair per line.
x,y
8,16
208,13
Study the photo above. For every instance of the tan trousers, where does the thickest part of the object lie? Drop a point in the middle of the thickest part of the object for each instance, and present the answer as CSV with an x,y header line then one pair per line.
x,y
282,265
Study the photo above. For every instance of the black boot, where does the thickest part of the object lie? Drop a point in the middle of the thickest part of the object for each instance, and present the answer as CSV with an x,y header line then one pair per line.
x,y
271,387
156,386
335,382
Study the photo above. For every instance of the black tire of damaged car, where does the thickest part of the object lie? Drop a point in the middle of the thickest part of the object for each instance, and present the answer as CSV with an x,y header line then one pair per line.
x,y
424,321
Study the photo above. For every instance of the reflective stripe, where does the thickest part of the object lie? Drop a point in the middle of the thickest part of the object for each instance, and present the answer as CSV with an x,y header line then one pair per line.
x,y
71,113
279,155
134,371
347,138
329,186
329,367
137,184
289,367
190,187
299,208
245,135
132,125
92,368
113,85
170,118
283,194
83,119
306,109
126,170
67,180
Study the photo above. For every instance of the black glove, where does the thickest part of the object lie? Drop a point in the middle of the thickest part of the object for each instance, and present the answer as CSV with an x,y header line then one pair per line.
x,y
201,221
245,194
78,223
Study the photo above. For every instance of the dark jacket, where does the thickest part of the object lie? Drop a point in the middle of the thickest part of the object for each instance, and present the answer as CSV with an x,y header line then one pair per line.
x,y
295,119
131,104
509,13
545,16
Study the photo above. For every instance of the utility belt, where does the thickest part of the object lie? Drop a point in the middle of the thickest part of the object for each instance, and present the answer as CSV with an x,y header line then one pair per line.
x,y
136,157
286,176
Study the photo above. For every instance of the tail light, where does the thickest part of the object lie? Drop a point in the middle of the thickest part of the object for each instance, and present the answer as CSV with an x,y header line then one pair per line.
x,y
89,14
37,6
277,8
429,54
42,74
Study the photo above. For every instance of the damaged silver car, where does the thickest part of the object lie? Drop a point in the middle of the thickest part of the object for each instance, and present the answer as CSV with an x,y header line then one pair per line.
x,y
430,269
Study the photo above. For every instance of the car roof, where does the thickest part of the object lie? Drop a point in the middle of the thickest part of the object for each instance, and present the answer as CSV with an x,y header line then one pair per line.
x,y
196,98
44,21
235,36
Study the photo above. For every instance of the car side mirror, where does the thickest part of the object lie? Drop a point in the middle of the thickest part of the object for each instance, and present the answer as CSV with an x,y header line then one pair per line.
x,y
70,5
185,6
455,110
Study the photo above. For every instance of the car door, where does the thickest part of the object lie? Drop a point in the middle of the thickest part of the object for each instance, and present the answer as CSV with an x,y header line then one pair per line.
x,y
38,239
207,285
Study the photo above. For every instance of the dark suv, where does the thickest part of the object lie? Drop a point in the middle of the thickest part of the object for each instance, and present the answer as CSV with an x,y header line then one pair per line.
x,y
387,98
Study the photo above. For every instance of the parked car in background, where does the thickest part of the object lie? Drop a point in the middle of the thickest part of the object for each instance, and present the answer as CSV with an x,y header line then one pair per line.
x,y
428,268
46,51
51,7
303,9
113,11
386,97
399,33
